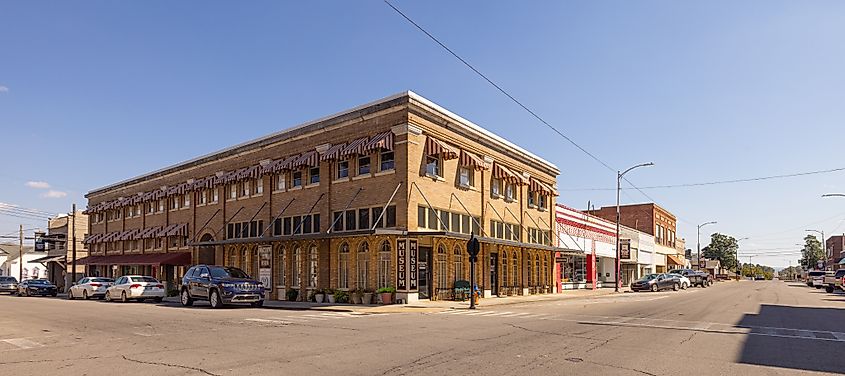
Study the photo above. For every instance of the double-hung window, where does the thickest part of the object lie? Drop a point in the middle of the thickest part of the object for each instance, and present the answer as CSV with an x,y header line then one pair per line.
x,y
314,175
465,177
342,169
363,165
432,165
509,191
297,179
280,182
387,162
496,187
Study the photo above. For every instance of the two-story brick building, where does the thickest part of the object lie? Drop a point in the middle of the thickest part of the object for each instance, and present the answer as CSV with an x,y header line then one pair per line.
x,y
835,247
385,194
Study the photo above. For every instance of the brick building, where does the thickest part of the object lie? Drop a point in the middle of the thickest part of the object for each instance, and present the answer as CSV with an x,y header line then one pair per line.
x,y
385,194
834,246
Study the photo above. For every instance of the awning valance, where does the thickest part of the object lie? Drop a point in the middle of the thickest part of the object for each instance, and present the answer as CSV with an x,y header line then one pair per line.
x,y
251,172
504,173
434,146
381,141
172,258
671,259
307,159
354,148
333,152
542,188
474,161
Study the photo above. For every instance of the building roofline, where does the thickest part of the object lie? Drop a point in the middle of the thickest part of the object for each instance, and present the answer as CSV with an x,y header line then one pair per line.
x,y
280,135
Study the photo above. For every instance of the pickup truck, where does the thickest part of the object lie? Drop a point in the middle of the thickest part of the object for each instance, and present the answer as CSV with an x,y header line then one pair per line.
x,y
836,281
696,277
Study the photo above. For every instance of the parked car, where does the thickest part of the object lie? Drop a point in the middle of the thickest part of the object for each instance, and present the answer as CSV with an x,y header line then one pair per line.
x,y
685,282
135,287
220,285
9,285
656,282
759,277
835,281
90,287
41,287
813,275
696,277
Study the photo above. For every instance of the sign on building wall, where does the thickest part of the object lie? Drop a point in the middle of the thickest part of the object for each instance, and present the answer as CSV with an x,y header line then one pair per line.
x,y
39,241
401,270
265,262
624,249
412,250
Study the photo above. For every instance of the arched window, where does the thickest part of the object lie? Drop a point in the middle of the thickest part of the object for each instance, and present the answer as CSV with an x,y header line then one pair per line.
x,y
442,269
242,261
530,269
537,281
232,258
384,257
312,266
545,270
363,264
281,263
515,274
505,280
343,266
297,267
459,263
35,272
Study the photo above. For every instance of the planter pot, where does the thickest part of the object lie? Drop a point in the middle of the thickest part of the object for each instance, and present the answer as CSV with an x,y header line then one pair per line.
x,y
367,298
330,298
356,299
319,297
386,298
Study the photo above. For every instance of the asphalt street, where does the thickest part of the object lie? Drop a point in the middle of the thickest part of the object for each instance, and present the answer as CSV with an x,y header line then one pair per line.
x,y
736,328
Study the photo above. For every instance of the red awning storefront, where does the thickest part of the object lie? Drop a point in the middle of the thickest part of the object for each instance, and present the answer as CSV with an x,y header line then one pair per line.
x,y
174,258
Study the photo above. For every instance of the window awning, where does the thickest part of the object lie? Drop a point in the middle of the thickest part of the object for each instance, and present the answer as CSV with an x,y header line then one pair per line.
x,y
671,259
308,159
174,229
474,161
434,146
251,172
177,189
333,152
543,188
354,147
52,258
173,258
504,173
92,238
381,141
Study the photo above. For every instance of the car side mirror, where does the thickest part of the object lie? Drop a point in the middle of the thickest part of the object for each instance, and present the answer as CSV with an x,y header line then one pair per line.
x,y
73,283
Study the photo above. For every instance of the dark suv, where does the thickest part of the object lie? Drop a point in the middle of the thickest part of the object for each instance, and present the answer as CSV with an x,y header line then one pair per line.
x,y
220,285
696,277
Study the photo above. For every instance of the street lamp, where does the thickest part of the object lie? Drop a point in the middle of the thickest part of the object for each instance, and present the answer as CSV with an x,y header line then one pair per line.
x,y
698,238
619,176
822,243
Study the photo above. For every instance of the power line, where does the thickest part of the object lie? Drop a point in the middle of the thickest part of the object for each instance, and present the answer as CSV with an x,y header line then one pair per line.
x,y
716,182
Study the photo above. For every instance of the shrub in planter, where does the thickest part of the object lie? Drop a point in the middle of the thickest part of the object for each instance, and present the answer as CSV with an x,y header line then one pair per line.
x,y
292,294
341,296
319,295
355,295
329,295
386,294
367,297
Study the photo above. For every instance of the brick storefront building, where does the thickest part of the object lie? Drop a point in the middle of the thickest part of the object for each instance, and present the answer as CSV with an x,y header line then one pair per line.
x,y
385,194
834,246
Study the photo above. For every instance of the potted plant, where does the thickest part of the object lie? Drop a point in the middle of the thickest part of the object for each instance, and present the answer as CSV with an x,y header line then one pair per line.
x,y
330,297
355,295
292,294
386,294
367,296
341,296
319,295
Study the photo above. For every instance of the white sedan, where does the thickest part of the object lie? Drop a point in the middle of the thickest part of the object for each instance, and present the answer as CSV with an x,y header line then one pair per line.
x,y
89,287
684,281
135,287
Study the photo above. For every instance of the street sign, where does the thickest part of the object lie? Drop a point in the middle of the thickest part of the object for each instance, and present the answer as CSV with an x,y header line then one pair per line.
x,y
39,241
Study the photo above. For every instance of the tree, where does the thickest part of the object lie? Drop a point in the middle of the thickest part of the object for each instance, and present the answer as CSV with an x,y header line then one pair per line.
x,y
723,248
812,252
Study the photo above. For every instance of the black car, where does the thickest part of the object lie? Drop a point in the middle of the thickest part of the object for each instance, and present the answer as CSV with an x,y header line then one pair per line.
x,y
8,285
696,277
656,282
40,287
220,285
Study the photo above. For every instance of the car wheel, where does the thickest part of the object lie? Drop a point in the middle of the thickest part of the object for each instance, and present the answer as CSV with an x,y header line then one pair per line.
x,y
186,298
258,304
107,297
684,286
214,299
55,294
84,294
123,298
828,289
158,300
676,287
69,294
654,288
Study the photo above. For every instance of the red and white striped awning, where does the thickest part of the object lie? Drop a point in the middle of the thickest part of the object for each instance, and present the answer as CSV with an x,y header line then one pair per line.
x,y
381,141
92,238
355,147
108,237
280,164
251,172
333,152
307,159
173,229
474,161
504,173
177,189
149,232
542,188
434,146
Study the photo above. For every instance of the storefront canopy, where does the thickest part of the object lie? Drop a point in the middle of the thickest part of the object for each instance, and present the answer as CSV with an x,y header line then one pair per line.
x,y
174,258
674,260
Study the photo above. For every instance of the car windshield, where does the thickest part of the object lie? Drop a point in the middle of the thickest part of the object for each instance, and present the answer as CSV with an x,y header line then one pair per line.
x,y
649,277
144,279
816,273
103,280
8,279
39,282
228,272
675,275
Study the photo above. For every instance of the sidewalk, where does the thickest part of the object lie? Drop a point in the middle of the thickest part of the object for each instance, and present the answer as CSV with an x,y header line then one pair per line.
x,y
426,305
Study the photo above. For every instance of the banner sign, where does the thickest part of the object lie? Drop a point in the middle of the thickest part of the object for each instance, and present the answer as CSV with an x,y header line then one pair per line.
x,y
624,249
401,270
412,248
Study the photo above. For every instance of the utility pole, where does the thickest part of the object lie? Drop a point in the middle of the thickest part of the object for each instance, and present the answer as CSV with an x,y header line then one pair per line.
x,y
20,256
73,237
698,239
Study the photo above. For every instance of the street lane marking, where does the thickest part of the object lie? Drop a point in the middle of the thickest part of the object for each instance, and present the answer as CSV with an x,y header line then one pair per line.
x,y
22,343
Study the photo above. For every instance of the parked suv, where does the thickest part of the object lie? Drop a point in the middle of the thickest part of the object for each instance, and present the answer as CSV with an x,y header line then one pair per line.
x,y
834,282
220,285
8,285
815,278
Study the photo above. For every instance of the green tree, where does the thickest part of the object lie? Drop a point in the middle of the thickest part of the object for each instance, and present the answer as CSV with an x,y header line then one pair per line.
x,y
812,252
723,248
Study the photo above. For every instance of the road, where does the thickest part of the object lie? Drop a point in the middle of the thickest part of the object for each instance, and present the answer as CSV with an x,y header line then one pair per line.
x,y
737,328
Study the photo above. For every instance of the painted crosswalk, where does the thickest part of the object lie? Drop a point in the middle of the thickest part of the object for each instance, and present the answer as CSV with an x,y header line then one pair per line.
x,y
307,317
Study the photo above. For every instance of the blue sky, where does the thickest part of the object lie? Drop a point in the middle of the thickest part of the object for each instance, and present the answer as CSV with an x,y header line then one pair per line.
x,y
95,92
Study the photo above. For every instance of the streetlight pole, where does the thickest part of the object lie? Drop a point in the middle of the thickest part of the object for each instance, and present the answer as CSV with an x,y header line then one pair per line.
x,y
619,176
822,243
698,239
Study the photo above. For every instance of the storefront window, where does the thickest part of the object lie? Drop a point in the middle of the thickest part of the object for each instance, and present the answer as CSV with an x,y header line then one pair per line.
x,y
459,263
384,257
573,269
282,262
343,266
297,267
363,264
442,274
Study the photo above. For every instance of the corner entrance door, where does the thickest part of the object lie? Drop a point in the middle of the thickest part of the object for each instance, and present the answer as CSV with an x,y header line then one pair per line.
x,y
494,274
424,272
